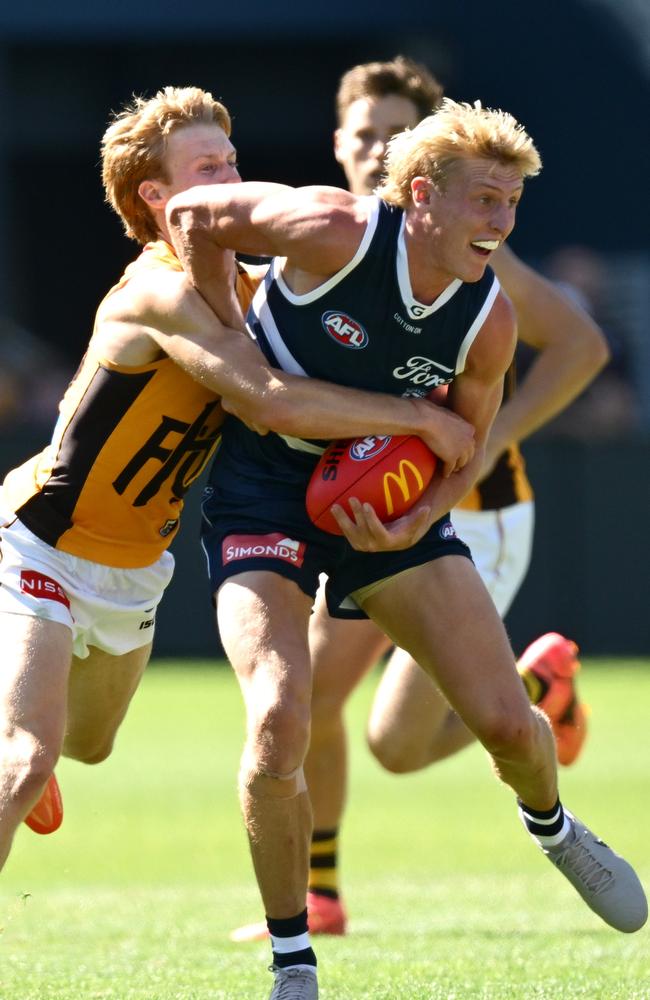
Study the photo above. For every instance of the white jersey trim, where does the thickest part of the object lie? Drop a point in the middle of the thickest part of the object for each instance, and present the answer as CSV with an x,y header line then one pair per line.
x,y
260,309
471,334
418,310
317,293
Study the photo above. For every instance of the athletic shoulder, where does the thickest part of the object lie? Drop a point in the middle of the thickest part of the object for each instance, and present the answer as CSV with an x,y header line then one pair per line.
x,y
130,320
148,293
494,345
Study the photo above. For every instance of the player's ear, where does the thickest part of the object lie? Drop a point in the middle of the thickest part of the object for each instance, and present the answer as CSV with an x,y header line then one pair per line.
x,y
152,194
421,190
339,141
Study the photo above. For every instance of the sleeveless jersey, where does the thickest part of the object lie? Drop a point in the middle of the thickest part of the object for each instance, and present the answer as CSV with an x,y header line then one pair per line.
x,y
128,443
508,483
362,328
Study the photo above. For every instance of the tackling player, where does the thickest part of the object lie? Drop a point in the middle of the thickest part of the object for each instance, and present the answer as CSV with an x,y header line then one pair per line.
x,y
85,526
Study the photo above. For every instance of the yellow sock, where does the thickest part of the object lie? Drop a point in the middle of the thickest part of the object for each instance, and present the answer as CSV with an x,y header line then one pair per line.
x,y
534,687
323,871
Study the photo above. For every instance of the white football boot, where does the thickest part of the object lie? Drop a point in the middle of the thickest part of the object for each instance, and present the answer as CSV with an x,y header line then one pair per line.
x,y
299,983
606,882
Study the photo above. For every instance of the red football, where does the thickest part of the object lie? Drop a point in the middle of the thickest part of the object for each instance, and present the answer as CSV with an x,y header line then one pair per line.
x,y
391,473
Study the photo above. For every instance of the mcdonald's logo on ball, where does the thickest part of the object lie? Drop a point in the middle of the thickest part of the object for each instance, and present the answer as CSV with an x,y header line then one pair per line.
x,y
408,475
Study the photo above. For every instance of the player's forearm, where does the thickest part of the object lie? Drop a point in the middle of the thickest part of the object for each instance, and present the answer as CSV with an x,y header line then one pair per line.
x,y
221,215
571,350
445,494
310,408
557,376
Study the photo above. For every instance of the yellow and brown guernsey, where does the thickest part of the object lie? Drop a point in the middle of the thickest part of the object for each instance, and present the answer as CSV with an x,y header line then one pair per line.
x,y
507,483
128,443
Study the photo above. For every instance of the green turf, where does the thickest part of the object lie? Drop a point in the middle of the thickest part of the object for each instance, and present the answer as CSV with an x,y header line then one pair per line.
x,y
133,898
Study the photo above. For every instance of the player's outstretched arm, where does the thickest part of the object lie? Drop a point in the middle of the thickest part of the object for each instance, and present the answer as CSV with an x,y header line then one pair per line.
x,y
317,228
571,351
166,315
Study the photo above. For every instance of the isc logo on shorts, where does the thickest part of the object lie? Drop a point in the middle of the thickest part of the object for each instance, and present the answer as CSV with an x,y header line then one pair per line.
x,y
39,585
447,530
344,330
368,447
275,546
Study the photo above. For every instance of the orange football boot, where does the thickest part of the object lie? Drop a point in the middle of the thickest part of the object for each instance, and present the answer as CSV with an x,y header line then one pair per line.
x,y
47,814
548,668
324,916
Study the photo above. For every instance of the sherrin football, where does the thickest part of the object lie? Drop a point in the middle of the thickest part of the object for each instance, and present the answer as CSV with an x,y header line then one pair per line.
x,y
391,473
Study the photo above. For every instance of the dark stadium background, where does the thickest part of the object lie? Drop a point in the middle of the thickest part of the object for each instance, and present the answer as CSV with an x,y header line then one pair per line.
x,y
576,73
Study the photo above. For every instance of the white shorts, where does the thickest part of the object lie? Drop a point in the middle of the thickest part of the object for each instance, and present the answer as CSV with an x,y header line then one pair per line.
x,y
109,608
501,543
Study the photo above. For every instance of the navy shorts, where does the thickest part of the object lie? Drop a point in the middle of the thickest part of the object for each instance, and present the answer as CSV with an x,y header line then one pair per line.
x,y
243,533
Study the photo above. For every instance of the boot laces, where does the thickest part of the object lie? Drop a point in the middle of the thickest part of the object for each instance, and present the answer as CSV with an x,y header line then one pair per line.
x,y
591,872
292,983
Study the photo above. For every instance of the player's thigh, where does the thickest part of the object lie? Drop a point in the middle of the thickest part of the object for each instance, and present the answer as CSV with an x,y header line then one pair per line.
x,y
442,614
36,655
100,690
342,652
263,621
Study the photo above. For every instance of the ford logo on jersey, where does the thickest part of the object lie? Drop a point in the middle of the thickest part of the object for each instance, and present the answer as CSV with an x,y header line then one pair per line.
x,y
344,330
368,447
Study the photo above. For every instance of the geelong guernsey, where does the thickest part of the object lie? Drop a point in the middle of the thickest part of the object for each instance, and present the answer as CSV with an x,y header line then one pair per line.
x,y
128,443
361,328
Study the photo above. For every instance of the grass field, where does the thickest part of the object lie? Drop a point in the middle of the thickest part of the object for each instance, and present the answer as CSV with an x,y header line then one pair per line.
x,y
134,896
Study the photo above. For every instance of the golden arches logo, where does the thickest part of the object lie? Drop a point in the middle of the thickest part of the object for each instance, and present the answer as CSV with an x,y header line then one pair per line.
x,y
401,480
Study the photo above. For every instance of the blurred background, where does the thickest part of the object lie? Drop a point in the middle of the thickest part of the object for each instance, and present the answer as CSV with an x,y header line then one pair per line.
x,y
576,73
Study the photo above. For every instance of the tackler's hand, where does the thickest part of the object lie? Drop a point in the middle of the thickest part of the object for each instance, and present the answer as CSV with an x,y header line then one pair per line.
x,y
449,437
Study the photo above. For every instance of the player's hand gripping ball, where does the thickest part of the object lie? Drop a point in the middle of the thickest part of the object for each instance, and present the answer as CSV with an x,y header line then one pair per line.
x,y
391,473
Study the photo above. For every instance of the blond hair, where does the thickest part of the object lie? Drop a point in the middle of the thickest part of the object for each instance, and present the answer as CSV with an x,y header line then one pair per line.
x,y
400,76
134,144
455,132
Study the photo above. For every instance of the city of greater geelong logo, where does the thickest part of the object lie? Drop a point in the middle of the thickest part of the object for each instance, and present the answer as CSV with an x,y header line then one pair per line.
x,y
274,546
344,330
400,479
368,447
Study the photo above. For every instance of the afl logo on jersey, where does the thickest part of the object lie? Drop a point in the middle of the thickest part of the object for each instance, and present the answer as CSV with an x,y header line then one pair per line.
x,y
368,447
344,330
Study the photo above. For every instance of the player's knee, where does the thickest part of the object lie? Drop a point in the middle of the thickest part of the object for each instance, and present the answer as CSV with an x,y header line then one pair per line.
x,y
509,734
279,738
26,764
88,752
394,754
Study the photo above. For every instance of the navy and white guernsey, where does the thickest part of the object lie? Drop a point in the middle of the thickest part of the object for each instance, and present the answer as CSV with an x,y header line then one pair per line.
x,y
361,328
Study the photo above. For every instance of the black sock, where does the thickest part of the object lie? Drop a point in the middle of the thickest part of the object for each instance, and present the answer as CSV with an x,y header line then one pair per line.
x,y
548,827
290,941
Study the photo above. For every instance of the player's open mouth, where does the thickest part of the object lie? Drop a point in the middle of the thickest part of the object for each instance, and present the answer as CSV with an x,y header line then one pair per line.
x,y
485,247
